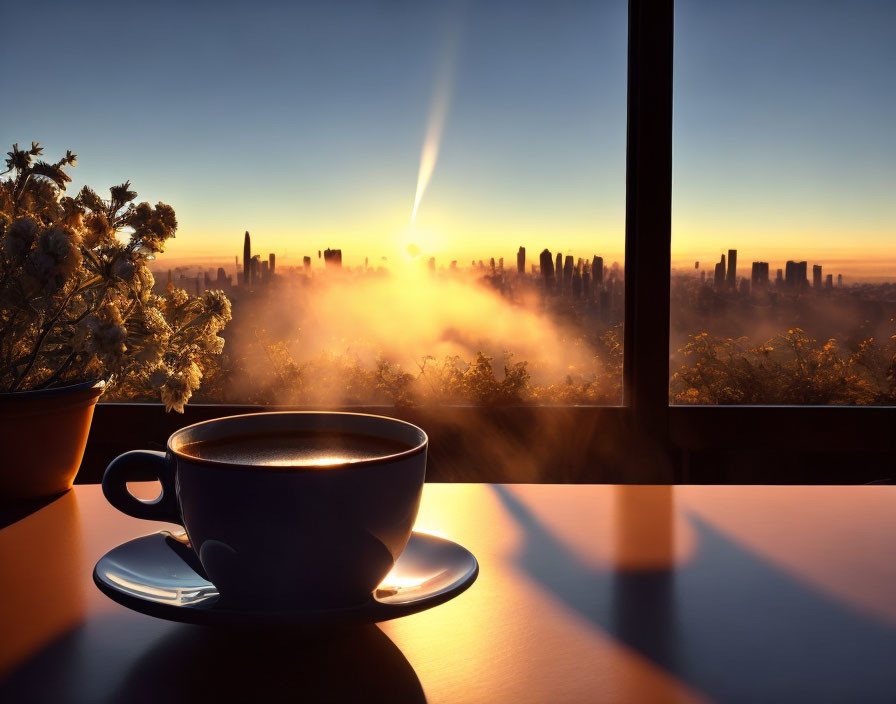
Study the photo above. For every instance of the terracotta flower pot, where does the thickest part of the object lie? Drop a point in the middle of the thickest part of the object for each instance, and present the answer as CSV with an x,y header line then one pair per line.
x,y
42,439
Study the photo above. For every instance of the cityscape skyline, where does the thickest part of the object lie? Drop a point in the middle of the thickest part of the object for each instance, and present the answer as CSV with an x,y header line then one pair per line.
x,y
851,270
783,138
574,276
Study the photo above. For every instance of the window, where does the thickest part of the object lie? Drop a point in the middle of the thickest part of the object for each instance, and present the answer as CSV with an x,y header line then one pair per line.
x,y
784,164
643,440
407,205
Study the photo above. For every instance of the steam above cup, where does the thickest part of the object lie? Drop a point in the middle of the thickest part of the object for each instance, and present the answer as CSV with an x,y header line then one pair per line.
x,y
305,509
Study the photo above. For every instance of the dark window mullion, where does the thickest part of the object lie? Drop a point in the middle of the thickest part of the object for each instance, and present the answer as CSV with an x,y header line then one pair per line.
x,y
648,215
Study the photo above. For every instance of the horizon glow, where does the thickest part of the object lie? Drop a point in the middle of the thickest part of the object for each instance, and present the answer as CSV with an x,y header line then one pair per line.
x,y
304,123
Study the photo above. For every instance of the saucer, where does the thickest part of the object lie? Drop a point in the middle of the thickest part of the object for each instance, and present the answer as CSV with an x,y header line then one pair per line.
x,y
159,575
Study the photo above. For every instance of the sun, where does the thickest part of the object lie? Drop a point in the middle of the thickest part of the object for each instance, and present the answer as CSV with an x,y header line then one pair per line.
x,y
417,243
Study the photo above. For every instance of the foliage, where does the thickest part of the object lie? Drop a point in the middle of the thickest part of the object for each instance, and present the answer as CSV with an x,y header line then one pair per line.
x,y
328,379
76,300
791,368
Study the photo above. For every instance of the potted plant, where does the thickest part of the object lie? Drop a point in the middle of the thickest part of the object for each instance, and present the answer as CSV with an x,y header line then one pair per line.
x,y
78,315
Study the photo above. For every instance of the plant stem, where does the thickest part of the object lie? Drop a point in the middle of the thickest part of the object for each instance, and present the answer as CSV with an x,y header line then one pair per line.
x,y
41,338
59,372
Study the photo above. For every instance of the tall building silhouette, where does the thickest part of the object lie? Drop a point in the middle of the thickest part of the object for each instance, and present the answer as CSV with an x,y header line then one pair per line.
x,y
521,261
247,258
333,259
816,277
790,275
546,262
272,260
568,267
719,278
802,276
254,269
597,271
732,270
558,268
759,276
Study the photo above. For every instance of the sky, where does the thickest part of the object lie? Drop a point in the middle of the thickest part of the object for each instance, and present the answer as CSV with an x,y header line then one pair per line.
x,y
304,123
784,144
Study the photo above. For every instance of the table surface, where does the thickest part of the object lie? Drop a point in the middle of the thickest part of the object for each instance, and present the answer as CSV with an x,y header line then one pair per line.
x,y
585,593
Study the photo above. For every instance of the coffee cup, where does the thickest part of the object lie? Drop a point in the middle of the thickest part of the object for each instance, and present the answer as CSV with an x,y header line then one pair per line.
x,y
289,509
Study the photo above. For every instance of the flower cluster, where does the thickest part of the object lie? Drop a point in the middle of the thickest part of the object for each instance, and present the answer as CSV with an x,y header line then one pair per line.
x,y
76,293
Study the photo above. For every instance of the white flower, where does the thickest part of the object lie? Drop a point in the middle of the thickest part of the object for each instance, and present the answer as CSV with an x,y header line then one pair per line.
x,y
55,258
217,305
107,336
20,237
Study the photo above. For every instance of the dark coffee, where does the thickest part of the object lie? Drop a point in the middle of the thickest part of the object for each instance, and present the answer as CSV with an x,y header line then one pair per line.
x,y
294,449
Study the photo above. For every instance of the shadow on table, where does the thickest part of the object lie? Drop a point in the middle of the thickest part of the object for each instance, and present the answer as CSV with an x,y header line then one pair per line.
x,y
726,622
142,660
13,512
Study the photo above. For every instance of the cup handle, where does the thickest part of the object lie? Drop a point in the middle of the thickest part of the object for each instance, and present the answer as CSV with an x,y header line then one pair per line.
x,y
133,466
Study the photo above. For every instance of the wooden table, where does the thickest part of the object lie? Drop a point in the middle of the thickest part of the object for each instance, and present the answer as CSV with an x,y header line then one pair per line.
x,y
586,593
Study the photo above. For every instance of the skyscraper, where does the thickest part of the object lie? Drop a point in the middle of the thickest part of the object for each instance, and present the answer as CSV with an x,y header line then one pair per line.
x,y
254,269
558,268
521,261
759,276
247,258
576,283
802,276
272,260
732,270
597,271
720,274
816,277
333,258
568,267
790,275
546,262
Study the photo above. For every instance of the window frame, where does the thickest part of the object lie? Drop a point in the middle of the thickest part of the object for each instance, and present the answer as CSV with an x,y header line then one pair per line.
x,y
645,440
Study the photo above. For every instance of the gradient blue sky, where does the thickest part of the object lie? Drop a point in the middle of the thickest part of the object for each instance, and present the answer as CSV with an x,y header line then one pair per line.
x,y
303,122
785,129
